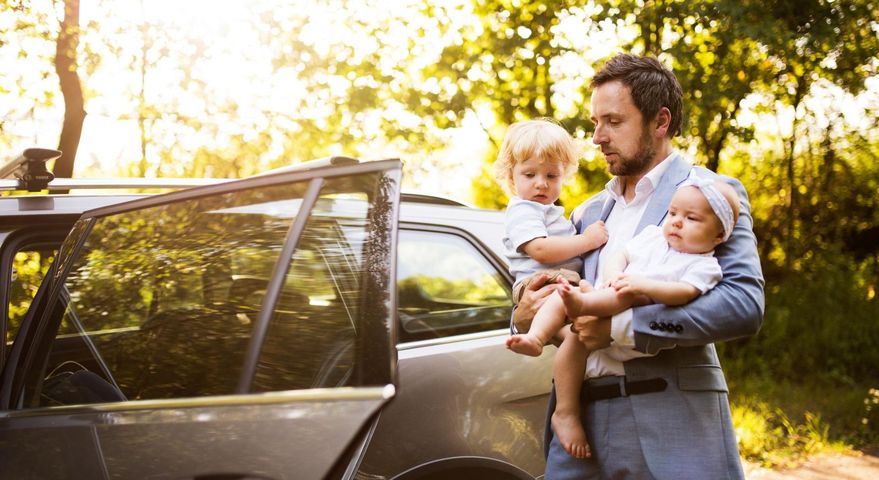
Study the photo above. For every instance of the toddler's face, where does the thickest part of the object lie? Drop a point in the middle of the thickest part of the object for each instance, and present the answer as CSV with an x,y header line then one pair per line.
x,y
691,225
538,181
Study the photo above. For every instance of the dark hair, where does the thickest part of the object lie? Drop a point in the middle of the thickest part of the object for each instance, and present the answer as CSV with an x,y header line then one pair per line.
x,y
651,84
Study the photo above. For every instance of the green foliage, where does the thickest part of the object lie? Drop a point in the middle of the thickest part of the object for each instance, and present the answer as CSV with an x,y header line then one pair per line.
x,y
868,433
768,436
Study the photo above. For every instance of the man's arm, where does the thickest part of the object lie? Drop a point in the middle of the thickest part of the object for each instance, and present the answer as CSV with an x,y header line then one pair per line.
x,y
732,309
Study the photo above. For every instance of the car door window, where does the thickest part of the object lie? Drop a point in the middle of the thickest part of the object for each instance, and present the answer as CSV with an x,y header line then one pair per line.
x,y
446,287
164,300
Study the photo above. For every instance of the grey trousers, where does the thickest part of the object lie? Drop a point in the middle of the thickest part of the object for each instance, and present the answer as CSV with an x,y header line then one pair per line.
x,y
597,418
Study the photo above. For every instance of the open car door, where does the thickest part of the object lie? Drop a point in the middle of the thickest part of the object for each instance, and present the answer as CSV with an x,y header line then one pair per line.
x,y
239,330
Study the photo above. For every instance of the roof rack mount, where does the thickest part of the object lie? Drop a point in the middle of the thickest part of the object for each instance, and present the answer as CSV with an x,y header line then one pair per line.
x,y
30,169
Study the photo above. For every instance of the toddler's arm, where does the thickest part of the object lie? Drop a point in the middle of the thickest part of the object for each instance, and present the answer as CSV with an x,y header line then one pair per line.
x,y
664,292
557,249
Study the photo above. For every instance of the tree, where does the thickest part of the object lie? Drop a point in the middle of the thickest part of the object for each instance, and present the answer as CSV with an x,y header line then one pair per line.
x,y
66,63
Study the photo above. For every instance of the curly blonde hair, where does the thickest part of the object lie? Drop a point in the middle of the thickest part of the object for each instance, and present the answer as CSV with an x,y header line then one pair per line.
x,y
543,139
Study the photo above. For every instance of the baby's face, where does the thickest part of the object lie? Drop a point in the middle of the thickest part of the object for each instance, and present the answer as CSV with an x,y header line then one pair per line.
x,y
538,181
691,225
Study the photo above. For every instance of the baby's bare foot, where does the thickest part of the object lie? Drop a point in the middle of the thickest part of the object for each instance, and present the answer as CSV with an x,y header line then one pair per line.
x,y
571,434
575,303
525,345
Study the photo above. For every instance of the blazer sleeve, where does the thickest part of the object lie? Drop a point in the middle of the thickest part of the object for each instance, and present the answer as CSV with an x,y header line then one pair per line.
x,y
732,309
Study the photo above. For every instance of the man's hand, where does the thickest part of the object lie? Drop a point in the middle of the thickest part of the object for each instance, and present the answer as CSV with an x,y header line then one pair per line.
x,y
593,332
533,297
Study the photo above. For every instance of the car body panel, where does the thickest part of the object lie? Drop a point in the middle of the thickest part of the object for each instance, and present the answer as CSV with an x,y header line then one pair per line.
x,y
138,440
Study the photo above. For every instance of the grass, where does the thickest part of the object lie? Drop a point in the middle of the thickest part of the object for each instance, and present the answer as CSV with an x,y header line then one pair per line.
x,y
779,424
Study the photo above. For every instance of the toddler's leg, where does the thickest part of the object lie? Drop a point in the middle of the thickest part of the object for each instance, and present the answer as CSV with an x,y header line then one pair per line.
x,y
548,320
569,367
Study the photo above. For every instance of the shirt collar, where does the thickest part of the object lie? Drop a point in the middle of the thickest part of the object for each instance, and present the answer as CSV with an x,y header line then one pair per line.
x,y
645,186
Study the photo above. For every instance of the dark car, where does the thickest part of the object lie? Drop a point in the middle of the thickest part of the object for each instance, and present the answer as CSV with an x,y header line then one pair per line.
x,y
313,323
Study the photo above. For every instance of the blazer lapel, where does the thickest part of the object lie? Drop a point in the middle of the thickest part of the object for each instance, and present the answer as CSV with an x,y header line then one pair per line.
x,y
656,210
596,211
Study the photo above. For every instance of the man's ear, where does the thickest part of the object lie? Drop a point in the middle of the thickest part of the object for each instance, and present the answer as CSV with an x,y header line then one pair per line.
x,y
663,121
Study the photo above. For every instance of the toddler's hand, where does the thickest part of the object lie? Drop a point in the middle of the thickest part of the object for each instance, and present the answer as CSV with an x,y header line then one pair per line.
x,y
596,235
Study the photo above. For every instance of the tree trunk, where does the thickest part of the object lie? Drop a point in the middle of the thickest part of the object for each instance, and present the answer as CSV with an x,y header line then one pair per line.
x,y
74,105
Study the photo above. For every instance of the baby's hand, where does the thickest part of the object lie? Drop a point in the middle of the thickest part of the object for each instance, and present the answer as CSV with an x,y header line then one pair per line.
x,y
595,235
629,284
611,279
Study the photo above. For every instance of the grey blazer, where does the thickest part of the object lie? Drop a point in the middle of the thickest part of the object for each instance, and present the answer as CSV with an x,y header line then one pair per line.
x,y
686,430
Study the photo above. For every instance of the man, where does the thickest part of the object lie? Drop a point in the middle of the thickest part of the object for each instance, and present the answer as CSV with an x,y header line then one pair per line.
x,y
654,404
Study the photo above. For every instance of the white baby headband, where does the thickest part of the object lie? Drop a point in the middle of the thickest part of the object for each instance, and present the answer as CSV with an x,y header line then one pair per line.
x,y
719,204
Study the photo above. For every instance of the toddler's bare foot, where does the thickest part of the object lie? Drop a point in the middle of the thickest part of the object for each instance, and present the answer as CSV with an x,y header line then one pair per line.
x,y
525,344
571,434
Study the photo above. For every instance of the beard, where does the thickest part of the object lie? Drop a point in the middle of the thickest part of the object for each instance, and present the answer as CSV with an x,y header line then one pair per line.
x,y
636,164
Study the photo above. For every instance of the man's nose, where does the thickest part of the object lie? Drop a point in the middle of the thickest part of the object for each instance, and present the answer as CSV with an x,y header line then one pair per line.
x,y
598,136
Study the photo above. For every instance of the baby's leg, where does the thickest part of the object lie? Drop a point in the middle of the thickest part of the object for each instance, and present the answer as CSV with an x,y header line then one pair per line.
x,y
604,302
569,367
548,320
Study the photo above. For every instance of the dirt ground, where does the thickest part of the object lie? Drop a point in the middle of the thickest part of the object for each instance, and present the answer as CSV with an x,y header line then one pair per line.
x,y
828,466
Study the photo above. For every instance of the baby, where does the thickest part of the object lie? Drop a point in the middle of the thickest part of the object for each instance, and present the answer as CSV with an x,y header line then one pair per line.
x,y
536,157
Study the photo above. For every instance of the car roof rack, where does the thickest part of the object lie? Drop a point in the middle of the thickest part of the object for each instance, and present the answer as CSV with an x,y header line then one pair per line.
x,y
28,172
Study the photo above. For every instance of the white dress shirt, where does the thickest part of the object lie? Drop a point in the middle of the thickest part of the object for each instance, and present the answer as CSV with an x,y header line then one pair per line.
x,y
621,225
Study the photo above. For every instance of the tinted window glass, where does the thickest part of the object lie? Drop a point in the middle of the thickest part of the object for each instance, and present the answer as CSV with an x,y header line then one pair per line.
x,y
164,299
447,287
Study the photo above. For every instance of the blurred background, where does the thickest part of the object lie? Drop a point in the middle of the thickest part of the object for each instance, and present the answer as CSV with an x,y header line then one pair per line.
x,y
781,94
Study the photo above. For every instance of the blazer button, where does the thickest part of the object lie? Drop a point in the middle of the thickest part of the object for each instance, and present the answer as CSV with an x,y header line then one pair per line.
x,y
679,328
666,327
653,325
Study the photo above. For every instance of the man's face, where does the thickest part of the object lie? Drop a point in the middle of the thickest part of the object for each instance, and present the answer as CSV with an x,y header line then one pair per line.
x,y
619,130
